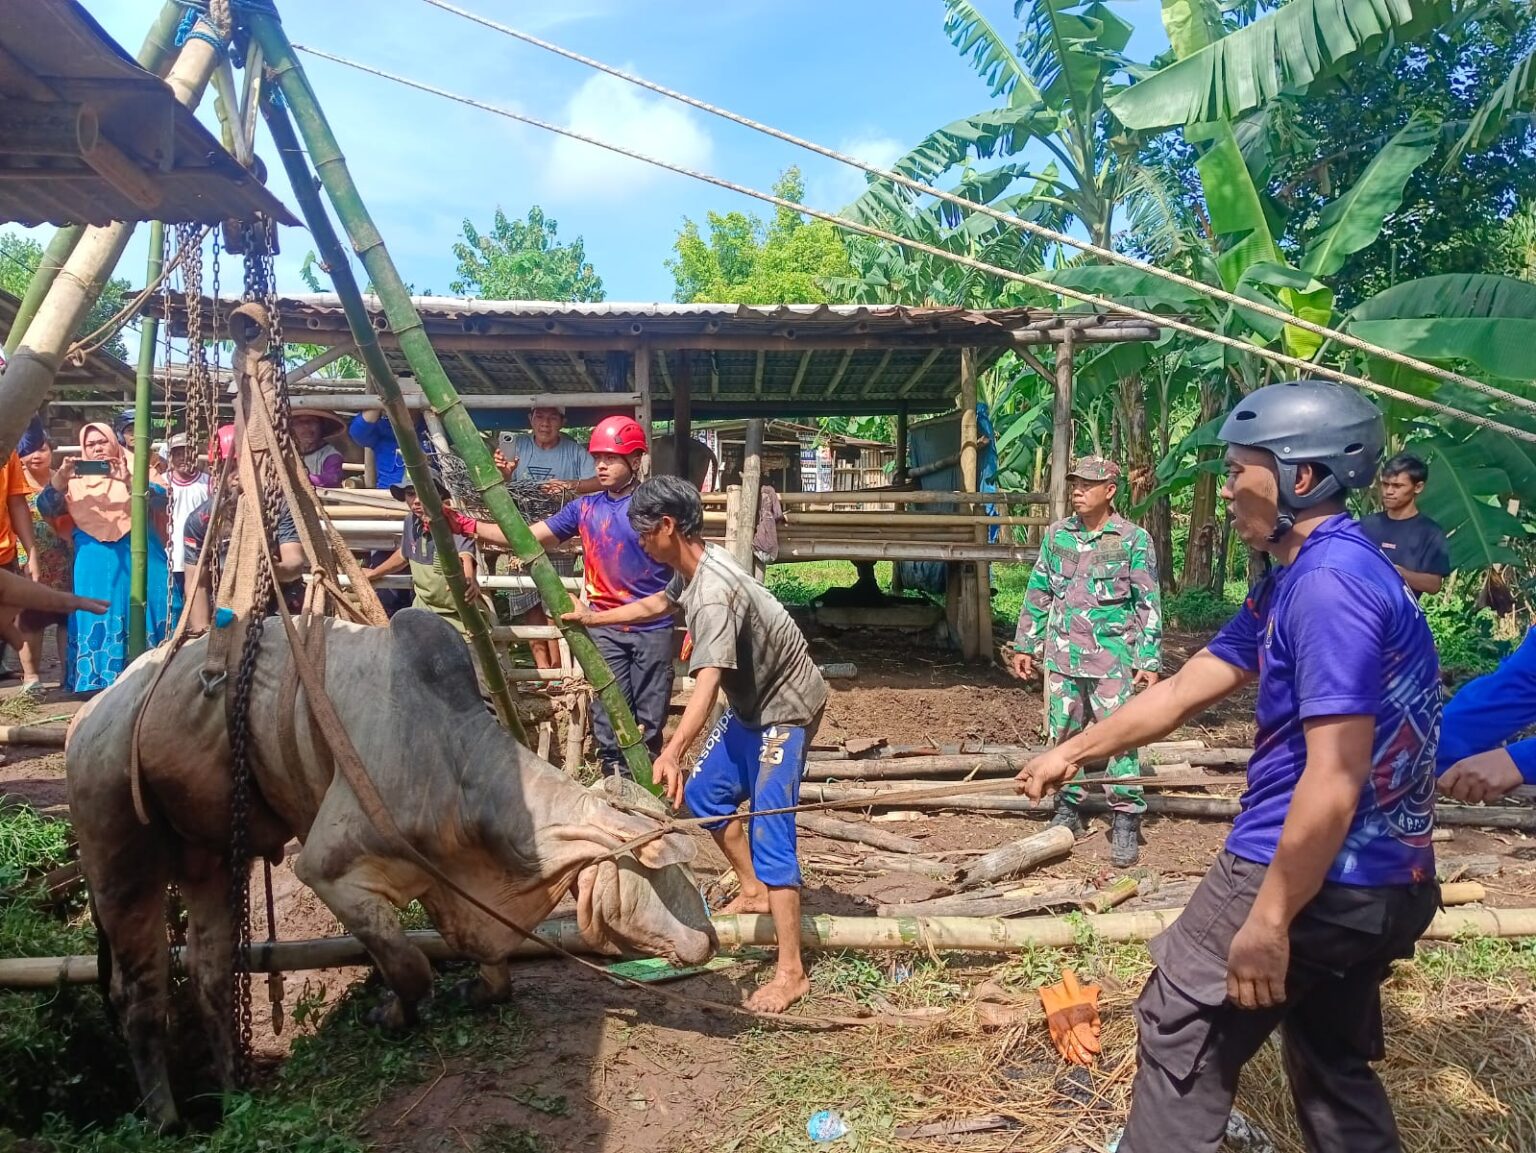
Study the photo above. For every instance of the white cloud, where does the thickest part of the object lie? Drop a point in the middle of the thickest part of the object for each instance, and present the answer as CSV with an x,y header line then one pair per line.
x,y
607,108
834,186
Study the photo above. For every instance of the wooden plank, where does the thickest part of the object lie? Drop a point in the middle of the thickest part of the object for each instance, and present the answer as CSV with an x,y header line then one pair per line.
x,y
643,410
751,491
921,371
874,377
757,371
837,377
1061,431
805,363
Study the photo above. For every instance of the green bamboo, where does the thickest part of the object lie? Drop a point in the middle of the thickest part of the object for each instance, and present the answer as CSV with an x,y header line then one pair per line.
x,y
417,349
334,257
143,444
155,55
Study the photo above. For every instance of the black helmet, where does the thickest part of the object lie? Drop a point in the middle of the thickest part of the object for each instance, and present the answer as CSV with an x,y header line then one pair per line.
x,y
1310,422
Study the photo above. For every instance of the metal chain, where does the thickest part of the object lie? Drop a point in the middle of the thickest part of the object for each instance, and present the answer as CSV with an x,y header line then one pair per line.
x,y
259,287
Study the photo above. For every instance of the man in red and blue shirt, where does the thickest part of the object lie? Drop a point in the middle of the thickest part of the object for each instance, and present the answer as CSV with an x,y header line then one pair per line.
x,y
617,572
1328,875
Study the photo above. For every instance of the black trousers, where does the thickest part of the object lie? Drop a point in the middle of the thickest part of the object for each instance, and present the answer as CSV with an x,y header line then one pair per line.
x,y
642,665
1193,1043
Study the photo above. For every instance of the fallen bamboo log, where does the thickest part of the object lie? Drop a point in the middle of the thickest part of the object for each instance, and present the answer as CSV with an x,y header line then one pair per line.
x,y
42,736
956,934
857,833
1015,858
1521,817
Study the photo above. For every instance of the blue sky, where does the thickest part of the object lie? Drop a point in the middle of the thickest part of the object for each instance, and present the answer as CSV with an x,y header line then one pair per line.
x,y
865,76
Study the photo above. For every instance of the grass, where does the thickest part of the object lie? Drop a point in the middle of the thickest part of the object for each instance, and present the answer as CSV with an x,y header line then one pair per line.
x,y
29,843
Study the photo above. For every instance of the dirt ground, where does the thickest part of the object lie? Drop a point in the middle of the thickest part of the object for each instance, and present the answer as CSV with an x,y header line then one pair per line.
x,y
635,1073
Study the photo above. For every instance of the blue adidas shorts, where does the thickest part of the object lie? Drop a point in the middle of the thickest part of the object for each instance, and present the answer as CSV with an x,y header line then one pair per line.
x,y
763,766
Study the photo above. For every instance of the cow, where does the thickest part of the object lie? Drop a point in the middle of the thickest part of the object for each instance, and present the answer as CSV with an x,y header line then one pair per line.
x,y
701,460
509,828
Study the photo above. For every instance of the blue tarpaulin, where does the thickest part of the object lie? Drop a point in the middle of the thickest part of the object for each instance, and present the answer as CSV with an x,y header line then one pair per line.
x,y
934,440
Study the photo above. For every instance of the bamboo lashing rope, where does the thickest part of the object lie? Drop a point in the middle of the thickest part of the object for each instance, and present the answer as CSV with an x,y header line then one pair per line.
x,y
1305,366
1212,291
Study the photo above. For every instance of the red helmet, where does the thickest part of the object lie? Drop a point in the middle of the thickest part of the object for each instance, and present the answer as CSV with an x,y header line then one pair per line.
x,y
222,446
619,434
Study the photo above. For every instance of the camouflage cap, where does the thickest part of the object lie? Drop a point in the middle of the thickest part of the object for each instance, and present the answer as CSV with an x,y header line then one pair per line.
x,y
1095,468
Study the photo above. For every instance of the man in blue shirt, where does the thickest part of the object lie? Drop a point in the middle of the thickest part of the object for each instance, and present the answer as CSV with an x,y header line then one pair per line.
x,y
1475,764
1328,874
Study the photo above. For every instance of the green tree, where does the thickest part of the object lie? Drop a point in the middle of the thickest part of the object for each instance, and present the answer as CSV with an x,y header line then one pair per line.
x,y
746,260
19,258
524,260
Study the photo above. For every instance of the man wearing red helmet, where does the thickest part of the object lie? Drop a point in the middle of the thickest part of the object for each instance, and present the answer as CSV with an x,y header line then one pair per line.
x,y
618,572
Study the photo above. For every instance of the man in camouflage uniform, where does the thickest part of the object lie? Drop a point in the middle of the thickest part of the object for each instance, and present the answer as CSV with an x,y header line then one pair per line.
x,y
1092,622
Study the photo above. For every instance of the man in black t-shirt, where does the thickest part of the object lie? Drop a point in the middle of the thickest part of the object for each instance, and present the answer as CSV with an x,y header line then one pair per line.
x,y
1411,540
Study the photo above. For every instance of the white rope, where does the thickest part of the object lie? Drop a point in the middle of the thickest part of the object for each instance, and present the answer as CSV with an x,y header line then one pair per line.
x,y
1211,291
1108,306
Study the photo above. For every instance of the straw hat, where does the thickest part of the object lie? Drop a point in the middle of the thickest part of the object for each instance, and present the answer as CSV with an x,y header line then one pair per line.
x,y
331,423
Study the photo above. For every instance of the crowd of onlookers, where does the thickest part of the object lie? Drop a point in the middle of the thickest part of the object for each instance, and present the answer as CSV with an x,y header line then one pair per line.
x,y
66,522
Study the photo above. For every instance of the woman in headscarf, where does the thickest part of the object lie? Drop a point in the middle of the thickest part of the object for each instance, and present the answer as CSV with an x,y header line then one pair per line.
x,y
55,557
311,427
99,504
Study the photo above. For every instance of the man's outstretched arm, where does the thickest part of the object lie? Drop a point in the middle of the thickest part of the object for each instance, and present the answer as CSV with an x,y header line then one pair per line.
x,y
1204,680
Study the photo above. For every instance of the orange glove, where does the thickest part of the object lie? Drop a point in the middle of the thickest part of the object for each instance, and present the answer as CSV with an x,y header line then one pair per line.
x,y
1072,1015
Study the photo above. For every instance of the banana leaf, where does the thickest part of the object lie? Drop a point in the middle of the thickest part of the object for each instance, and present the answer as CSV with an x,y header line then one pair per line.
x,y
1476,318
1465,498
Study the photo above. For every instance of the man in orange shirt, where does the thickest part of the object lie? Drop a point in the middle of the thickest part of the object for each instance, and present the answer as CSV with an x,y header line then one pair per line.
x,y
15,529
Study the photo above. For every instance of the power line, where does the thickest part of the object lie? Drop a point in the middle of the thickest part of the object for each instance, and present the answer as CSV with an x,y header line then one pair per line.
x,y
1031,226
966,261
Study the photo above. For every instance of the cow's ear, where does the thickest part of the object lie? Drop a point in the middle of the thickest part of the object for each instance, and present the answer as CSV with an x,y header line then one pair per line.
x,y
670,849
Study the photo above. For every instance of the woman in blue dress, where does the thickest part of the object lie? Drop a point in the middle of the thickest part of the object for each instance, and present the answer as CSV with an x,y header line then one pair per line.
x,y
100,507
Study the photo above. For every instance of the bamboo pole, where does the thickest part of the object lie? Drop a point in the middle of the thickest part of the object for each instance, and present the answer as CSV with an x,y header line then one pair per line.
x,y
155,55
43,736
334,256
1016,857
896,496
889,796
144,384
416,347
940,934
78,285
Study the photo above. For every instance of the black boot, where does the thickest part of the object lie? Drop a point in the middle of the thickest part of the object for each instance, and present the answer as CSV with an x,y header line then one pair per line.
x,y
1125,840
1067,816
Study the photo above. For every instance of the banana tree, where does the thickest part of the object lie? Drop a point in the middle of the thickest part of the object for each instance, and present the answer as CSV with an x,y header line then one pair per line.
x,y
1063,158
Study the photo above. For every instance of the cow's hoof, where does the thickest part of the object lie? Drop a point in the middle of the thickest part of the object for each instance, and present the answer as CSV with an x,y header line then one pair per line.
x,y
477,993
393,1015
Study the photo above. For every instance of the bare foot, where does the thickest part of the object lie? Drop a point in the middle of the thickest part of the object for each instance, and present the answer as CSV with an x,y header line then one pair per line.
x,y
746,903
780,993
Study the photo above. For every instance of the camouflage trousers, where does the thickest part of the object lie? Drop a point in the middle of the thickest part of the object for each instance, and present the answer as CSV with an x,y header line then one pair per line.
x,y
1074,701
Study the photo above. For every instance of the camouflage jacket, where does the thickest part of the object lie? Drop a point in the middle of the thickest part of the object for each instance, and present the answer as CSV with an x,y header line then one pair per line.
x,y
1093,608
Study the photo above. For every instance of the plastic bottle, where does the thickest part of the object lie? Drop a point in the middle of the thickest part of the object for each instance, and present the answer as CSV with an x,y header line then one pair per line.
x,y
826,1125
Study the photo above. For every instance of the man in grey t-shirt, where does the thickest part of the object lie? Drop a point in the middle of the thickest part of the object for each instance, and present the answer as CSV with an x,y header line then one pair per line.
x,y
745,645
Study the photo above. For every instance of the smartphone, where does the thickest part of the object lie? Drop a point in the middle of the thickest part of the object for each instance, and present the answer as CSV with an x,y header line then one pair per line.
x,y
93,468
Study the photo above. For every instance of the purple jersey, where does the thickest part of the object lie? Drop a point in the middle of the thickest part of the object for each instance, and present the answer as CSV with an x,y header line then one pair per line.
x,y
617,569
1338,633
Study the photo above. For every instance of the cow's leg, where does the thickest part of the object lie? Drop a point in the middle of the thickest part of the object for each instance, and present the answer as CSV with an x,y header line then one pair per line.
x,y
130,913
204,880
360,896
493,986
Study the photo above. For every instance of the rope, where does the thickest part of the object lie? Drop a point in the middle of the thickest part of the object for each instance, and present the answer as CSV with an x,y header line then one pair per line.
x,y
1211,291
93,341
1100,302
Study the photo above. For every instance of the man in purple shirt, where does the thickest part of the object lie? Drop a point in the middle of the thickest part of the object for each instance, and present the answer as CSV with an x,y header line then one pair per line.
x,y
1328,875
617,573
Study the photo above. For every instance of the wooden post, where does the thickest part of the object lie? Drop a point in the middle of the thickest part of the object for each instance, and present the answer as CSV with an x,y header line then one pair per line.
x,y
1061,428
682,412
968,620
751,493
643,414
902,420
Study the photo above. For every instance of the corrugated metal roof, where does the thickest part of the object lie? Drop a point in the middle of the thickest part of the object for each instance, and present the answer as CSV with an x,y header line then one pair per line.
x,y
743,360
52,51
101,371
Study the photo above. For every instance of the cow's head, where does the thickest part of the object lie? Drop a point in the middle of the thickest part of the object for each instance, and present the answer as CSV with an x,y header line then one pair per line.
x,y
646,901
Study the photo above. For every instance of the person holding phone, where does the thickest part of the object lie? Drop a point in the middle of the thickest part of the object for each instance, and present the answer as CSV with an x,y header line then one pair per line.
x,y
94,491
